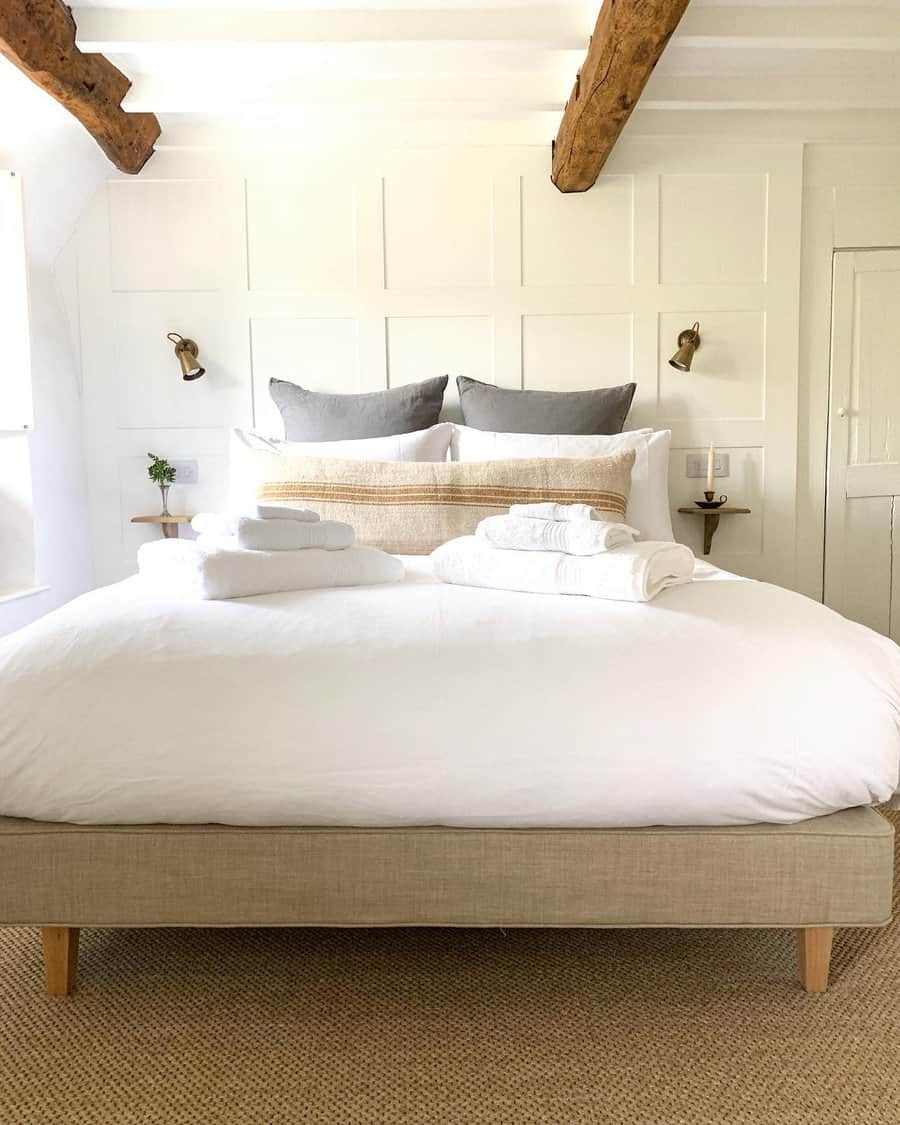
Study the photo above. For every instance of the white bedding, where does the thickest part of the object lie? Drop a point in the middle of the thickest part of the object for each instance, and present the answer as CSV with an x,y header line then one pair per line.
x,y
722,702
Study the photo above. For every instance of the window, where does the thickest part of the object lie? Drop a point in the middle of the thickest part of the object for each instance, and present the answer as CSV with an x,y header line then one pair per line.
x,y
15,362
16,421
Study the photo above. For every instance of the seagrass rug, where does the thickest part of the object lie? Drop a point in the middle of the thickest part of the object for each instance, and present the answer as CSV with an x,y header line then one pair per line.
x,y
468,1027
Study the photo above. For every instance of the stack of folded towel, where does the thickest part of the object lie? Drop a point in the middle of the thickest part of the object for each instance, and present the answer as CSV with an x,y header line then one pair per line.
x,y
563,549
273,550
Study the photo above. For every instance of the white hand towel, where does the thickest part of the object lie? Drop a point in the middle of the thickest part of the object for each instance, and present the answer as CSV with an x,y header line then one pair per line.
x,y
582,537
188,568
272,534
636,573
292,535
224,524
568,513
284,512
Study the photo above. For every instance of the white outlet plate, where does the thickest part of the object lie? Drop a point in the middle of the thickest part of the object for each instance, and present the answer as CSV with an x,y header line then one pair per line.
x,y
696,464
186,472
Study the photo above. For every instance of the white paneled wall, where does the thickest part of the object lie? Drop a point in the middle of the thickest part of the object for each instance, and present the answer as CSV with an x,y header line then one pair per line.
x,y
723,241
401,264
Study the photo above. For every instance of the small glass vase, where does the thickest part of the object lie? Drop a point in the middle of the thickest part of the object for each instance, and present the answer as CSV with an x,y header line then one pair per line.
x,y
164,492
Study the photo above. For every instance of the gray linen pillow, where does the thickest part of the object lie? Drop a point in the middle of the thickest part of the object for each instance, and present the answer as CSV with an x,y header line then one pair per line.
x,y
314,416
600,411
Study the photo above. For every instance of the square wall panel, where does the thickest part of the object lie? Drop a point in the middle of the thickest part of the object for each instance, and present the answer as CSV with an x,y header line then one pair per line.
x,y
581,239
319,353
144,375
745,488
422,347
712,229
301,234
438,227
138,495
728,376
165,234
576,352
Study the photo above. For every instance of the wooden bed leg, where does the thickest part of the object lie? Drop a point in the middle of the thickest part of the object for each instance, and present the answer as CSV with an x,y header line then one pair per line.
x,y
814,945
60,958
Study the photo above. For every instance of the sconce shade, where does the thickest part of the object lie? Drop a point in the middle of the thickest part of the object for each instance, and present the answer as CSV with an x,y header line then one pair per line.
x,y
688,342
186,351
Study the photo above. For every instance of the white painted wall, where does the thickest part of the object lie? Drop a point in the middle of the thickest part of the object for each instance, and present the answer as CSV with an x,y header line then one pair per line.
x,y
397,263
313,269
60,167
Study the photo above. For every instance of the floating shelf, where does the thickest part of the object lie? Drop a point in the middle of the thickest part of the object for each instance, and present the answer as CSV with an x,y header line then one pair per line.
x,y
169,523
711,520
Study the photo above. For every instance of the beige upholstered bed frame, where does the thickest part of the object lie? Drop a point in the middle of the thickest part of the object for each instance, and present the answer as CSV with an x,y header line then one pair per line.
x,y
832,871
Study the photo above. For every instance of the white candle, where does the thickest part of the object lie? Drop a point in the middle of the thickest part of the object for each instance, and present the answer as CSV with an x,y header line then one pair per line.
x,y
711,468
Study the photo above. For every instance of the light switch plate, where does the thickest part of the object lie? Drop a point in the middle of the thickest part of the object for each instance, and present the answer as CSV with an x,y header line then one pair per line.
x,y
186,472
696,464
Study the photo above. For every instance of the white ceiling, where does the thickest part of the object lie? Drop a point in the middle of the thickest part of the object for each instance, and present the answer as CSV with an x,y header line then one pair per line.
x,y
803,69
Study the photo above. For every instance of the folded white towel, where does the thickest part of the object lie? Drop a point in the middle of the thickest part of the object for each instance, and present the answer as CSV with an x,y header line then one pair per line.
x,y
568,513
582,537
272,534
226,524
189,568
636,573
284,512
292,535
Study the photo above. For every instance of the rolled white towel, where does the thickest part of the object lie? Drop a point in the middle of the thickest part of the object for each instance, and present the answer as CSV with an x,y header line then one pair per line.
x,y
189,568
581,537
636,573
285,512
568,513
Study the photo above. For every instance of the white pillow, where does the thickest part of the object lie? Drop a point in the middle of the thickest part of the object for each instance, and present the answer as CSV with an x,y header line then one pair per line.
x,y
421,445
648,505
432,444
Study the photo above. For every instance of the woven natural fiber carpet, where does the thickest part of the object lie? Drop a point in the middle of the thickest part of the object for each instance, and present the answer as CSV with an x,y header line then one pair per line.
x,y
234,1027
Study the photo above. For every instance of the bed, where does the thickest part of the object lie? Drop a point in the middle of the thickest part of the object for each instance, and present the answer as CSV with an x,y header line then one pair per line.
x,y
423,754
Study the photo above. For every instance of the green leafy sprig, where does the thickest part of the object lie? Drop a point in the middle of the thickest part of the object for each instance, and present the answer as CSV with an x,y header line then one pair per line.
x,y
160,471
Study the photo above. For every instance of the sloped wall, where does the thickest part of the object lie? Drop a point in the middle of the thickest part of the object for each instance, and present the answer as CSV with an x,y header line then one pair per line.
x,y
60,168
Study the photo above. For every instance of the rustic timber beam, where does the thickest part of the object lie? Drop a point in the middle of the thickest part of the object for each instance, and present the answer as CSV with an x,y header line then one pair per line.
x,y
38,37
626,45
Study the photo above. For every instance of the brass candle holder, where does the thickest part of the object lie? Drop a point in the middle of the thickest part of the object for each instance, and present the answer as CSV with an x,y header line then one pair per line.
x,y
711,501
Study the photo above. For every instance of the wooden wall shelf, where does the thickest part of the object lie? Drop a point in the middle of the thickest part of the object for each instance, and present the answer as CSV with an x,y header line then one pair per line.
x,y
169,524
711,520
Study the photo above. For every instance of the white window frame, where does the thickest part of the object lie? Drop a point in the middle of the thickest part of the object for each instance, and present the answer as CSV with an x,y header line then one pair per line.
x,y
16,403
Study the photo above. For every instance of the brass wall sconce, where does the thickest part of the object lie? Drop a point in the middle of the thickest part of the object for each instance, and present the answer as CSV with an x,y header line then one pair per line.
x,y
688,342
186,352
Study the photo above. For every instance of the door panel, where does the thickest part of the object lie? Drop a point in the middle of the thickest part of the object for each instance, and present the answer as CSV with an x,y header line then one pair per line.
x,y
873,480
862,519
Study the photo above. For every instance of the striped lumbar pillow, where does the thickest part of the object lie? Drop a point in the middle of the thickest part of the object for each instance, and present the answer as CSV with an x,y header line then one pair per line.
x,y
409,508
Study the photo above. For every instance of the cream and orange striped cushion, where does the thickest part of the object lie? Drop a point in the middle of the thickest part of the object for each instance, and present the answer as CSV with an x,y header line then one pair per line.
x,y
412,507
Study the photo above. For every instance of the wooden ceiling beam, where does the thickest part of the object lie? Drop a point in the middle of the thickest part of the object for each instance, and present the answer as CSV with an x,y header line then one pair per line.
x,y
38,37
626,45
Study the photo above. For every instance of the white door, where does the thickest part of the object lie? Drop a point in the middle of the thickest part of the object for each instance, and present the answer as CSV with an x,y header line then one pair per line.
x,y
862,516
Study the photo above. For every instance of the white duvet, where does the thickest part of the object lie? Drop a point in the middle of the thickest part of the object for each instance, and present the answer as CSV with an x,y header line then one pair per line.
x,y
722,702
